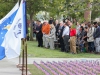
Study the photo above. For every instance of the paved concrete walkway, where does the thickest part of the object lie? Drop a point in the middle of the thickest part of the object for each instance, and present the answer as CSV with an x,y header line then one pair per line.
x,y
38,60
30,60
8,67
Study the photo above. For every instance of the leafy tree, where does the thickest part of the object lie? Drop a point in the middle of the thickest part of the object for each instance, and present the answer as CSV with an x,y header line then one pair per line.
x,y
6,6
55,7
33,7
70,8
95,10
76,8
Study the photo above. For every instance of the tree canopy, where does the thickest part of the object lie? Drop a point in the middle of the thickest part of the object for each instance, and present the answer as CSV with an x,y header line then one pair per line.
x,y
73,8
6,6
68,8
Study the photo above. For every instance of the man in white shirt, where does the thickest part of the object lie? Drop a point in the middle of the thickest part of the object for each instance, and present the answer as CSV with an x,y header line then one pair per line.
x,y
65,36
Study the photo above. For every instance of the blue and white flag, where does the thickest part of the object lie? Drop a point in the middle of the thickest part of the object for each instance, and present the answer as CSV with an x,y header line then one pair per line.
x,y
12,39
5,24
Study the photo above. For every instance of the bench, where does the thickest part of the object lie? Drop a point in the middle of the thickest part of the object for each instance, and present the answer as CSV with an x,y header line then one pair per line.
x,y
56,44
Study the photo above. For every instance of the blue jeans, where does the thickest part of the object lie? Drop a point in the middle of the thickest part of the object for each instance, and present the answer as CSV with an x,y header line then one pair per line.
x,y
91,46
81,47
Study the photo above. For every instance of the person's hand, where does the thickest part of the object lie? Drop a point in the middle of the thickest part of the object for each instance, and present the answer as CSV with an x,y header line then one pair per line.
x,y
71,24
87,37
69,40
43,33
59,31
37,31
79,38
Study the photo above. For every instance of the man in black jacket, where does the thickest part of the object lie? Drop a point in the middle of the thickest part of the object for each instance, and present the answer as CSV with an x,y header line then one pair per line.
x,y
39,34
97,36
61,28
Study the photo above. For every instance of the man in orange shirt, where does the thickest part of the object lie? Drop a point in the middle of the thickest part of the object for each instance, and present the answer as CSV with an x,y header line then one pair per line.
x,y
46,32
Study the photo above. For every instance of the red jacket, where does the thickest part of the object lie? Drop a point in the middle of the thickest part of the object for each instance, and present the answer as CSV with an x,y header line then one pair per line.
x,y
72,32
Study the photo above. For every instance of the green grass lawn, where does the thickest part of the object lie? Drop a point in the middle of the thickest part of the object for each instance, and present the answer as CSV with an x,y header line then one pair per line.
x,y
34,70
34,51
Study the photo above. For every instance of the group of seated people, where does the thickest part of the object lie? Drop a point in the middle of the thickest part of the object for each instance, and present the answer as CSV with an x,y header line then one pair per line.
x,y
70,36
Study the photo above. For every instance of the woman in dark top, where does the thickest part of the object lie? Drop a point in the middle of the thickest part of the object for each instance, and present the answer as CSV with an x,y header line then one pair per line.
x,y
85,39
85,34
80,39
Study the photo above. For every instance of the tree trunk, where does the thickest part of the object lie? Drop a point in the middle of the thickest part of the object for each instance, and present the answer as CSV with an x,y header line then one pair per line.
x,y
31,28
87,13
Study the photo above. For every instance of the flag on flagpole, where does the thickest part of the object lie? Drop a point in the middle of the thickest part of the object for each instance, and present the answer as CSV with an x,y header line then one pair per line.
x,y
5,24
12,39
24,19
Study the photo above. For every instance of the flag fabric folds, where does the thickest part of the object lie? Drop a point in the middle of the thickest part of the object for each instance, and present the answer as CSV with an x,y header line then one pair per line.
x,y
24,20
5,24
12,39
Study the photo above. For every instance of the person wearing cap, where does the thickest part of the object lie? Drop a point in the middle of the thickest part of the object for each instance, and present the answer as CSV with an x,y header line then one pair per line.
x,y
46,32
51,20
96,36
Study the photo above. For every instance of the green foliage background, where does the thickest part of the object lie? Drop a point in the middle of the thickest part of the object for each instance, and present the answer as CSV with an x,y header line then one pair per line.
x,y
68,8
73,8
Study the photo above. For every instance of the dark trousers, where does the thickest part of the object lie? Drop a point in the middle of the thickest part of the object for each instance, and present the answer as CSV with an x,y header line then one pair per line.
x,y
66,43
40,40
62,44
91,46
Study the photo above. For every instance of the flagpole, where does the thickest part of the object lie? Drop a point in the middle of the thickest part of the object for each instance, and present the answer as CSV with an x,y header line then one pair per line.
x,y
25,42
26,33
26,55
24,65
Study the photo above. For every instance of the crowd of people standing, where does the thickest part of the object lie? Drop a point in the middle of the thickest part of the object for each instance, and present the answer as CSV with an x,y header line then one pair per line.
x,y
71,36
